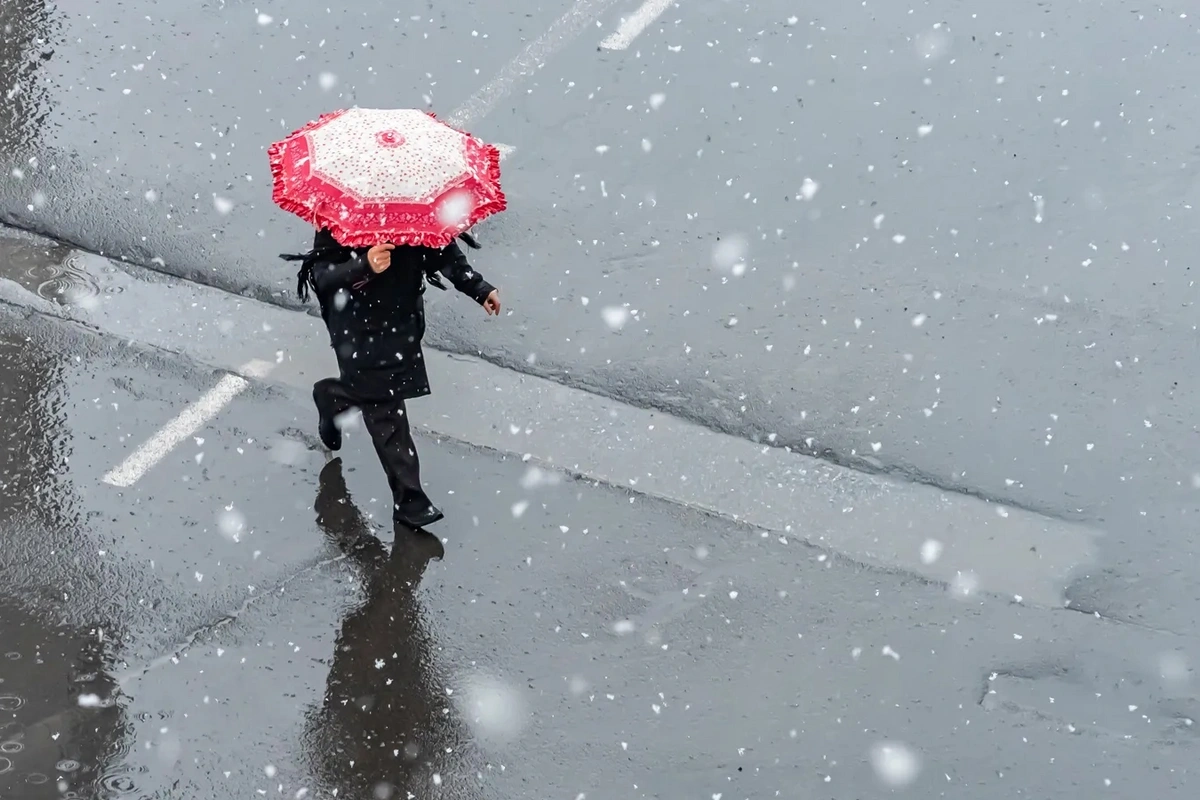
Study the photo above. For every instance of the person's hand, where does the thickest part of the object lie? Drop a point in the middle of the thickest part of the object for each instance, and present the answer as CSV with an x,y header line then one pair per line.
x,y
491,303
379,257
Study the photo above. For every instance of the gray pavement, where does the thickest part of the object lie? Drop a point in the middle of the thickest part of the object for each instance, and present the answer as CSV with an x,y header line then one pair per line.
x,y
947,246
228,626
878,520
964,229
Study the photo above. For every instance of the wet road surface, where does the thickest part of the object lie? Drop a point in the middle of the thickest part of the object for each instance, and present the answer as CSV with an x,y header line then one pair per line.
x,y
234,622
951,241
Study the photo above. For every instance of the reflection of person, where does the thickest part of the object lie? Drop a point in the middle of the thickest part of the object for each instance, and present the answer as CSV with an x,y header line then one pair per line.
x,y
387,727
372,304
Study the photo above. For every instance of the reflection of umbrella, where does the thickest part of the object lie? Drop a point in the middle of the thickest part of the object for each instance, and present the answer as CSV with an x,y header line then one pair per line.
x,y
400,175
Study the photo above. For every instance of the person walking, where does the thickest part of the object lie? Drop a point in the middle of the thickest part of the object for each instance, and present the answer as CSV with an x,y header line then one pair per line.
x,y
372,302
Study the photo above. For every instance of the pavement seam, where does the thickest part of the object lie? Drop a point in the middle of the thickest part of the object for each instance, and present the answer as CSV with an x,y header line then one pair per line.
x,y
903,472
870,519
791,537
785,536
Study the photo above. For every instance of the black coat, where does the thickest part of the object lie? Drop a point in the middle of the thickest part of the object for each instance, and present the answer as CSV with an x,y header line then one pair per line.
x,y
376,321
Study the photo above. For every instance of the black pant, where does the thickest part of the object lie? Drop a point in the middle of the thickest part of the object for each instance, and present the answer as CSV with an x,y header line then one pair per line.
x,y
387,424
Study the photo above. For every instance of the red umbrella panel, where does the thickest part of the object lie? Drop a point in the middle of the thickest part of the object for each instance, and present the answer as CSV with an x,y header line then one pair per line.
x,y
386,175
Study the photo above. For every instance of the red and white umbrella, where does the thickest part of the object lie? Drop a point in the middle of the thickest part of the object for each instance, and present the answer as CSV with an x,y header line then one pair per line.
x,y
386,175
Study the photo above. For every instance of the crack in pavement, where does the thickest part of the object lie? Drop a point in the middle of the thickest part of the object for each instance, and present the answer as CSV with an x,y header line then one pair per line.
x,y
180,649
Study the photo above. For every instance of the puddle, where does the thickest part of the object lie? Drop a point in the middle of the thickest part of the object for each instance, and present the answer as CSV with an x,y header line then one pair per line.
x,y
52,272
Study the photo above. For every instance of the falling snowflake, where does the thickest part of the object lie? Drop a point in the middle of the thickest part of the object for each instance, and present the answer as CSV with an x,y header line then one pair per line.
x,y
615,317
536,478
493,708
931,551
965,584
455,208
231,523
729,254
895,763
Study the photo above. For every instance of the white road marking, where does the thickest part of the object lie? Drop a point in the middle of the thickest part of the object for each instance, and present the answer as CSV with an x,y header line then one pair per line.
x,y
633,25
579,17
190,420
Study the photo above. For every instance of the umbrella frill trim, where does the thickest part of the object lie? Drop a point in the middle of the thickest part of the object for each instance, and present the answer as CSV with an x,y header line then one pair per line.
x,y
495,205
275,155
499,202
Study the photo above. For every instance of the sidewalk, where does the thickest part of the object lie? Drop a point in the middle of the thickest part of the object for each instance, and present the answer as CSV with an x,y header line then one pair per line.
x,y
875,520
574,639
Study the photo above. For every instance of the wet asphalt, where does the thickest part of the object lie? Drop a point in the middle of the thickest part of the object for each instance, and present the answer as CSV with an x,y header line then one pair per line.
x,y
238,621
951,242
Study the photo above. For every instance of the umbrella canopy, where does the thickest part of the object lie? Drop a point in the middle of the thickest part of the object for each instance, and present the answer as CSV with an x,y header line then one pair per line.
x,y
386,175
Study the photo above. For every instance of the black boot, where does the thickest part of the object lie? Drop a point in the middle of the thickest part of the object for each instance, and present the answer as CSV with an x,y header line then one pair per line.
x,y
331,435
417,514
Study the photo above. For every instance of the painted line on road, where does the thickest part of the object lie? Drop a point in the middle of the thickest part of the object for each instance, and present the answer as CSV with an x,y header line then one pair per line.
x,y
871,519
579,17
190,420
632,26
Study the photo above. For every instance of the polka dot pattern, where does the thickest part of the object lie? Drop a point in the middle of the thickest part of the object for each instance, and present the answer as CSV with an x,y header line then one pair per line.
x,y
347,153
395,175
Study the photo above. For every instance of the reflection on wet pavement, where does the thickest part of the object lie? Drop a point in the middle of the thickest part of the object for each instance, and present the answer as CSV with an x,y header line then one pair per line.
x,y
57,726
387,727
25,29
575,640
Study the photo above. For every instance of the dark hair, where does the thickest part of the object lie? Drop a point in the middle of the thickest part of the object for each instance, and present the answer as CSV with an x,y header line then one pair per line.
x,y
326,248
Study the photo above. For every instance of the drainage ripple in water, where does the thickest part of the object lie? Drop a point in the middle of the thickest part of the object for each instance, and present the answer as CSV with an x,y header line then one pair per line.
x,y
64,283
55,273
118,783
10,702
5,765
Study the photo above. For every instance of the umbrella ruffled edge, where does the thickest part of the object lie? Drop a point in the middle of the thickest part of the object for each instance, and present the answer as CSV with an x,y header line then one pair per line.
x,y
275,157
498,203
